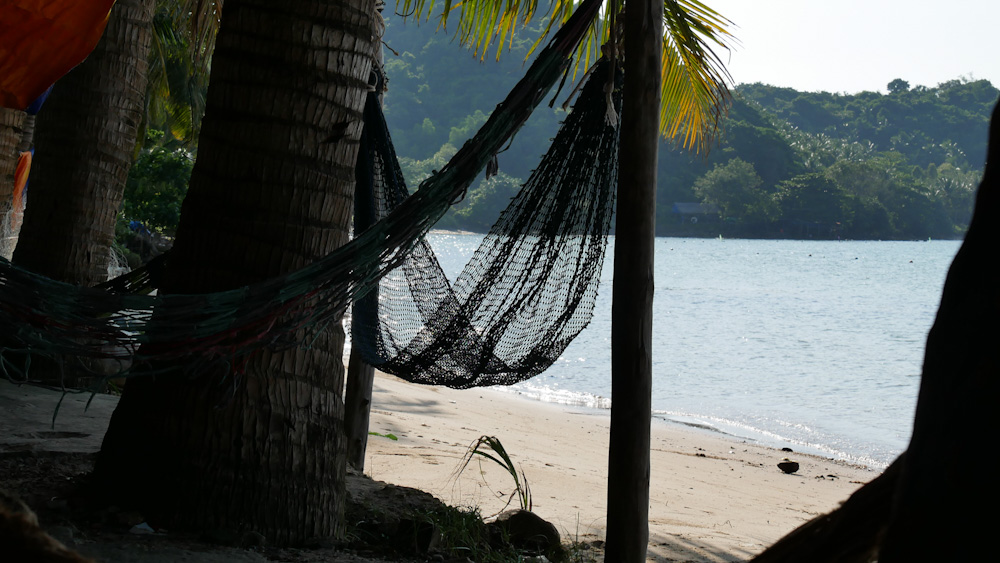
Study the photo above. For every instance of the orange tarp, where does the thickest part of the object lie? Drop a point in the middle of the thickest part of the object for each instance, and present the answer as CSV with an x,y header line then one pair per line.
x,y
41,40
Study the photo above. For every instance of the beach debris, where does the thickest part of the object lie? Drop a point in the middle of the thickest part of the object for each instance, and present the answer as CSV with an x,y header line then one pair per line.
x,y
788,466
490,447
525,531
142,529
786,449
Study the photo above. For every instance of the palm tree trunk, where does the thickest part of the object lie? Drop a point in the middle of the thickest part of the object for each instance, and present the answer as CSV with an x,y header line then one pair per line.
x,y
85,141
11,127
632,294
271,191
11,121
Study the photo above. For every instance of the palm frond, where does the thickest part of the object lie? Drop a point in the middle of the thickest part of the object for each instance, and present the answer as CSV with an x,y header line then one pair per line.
x,y
180,59
201,18
480,23
483,447
695,83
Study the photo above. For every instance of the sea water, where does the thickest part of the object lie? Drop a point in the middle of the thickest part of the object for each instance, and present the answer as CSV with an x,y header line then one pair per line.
x,y
814,345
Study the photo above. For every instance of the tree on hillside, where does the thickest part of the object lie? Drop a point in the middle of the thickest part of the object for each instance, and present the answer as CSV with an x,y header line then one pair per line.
x,y
813,198
735,188
955,189
898,85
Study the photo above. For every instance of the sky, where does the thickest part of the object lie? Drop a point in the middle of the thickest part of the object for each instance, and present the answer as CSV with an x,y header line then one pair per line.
x,y
849,46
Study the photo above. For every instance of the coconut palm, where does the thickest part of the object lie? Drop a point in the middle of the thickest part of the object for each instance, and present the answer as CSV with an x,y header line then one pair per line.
x,y
180,58
91,123
11,121
85,140
271,191
694,80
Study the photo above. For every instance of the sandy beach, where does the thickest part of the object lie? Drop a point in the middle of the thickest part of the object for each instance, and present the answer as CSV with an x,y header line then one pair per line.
x,y
712,498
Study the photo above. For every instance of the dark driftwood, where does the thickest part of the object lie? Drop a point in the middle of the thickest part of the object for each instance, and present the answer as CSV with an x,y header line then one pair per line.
x,y
631,313
937,502
357,408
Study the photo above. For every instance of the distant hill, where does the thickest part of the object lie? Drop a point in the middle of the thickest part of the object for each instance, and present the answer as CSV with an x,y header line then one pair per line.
x,y
788,164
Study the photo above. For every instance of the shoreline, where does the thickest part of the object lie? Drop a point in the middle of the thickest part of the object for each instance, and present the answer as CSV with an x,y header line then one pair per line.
x,y
727,429
713,497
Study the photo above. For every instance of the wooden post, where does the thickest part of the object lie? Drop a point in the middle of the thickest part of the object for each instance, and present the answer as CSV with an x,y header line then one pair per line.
x,y
357,406
632,294
361,375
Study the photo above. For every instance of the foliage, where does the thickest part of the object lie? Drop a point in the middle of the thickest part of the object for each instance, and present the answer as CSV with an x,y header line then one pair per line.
x,y
735,188
694,80
482,448
908,162
437,98
484,203
947,123
157,184
179,61
465,537
812,198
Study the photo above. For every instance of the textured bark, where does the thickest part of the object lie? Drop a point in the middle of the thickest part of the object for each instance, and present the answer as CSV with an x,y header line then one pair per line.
x,y
358,404
632,294
85,140
11,123
11,130
271,191
27,133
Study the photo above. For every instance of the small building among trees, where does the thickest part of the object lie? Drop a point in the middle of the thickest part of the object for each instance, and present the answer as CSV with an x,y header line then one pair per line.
x,y
694,212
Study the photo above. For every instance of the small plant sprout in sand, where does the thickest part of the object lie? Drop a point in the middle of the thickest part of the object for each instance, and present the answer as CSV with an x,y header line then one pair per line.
x,y
489,447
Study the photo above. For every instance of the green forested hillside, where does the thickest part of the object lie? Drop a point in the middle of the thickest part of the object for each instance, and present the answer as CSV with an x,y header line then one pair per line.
x,y
903,164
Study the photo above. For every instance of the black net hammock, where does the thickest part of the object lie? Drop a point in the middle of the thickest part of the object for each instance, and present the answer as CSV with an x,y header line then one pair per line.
x,y
119,321
529,288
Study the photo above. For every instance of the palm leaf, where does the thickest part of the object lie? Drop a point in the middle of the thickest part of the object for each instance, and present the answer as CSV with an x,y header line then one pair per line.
x,y
695,82
180,58
482,448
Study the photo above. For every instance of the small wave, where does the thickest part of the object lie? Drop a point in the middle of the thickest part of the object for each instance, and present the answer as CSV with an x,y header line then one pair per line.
x,y
559,396
754,433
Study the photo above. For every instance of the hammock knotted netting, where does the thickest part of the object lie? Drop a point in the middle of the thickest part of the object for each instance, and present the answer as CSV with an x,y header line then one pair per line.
x,y
43,317
529,288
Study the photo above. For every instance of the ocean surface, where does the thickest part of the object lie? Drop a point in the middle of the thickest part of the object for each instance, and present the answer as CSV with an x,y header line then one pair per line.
x,y
814,345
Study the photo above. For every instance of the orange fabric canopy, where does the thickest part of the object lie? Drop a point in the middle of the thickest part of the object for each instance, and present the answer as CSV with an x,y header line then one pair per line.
x,y
41,40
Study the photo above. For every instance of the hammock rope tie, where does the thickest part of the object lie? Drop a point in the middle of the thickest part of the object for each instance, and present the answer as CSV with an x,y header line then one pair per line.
x,y
40,316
